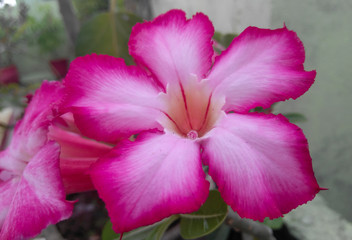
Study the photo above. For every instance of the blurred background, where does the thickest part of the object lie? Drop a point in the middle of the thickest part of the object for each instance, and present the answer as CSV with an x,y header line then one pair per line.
x,y
38,39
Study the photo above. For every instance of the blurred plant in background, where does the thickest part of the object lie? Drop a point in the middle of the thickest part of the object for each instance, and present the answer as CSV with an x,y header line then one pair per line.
x,y
11,34
43,32
11,30
106,32
88,8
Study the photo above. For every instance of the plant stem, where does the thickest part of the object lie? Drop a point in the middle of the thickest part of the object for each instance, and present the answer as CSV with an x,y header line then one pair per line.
x,y
70,20
256,229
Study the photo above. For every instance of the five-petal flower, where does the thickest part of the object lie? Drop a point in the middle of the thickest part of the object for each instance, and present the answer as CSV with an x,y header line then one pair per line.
x,y
189,111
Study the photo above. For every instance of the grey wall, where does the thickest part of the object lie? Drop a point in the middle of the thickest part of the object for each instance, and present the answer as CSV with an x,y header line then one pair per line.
x,y
325,29
226,15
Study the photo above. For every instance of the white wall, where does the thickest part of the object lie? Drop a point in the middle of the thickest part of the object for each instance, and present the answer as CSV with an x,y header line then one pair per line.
x,y
226,15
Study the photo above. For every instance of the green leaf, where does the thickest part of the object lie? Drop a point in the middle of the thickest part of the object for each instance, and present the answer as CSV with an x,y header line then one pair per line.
x,y
207,219
274,223
107,33
295,117
258,109
137,234
160,229
224,39
151,232
108,233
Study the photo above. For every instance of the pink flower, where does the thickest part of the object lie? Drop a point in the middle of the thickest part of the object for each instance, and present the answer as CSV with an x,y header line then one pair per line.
x,y
32,195
180,107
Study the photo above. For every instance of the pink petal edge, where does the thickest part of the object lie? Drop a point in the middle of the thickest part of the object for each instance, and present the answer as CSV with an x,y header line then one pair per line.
x,y
102,91
261,164
172,47
39,199
154,177
260,67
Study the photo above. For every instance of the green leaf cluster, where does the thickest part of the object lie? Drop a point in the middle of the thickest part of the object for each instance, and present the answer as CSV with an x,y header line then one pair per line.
x,y
46,32
152,232
107,33
194,225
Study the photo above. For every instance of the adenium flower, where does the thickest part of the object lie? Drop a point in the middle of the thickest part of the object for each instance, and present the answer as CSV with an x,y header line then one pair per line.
x,y
188,112
32,194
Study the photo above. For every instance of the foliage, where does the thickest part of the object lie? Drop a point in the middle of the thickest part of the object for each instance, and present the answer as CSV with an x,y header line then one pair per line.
x,y
107,33
152,232
207,219
223,40
87,8
10,31
200,223
44,31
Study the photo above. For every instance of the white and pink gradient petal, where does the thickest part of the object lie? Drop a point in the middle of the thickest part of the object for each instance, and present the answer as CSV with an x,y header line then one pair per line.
x,y
260,67
112,122
144,181
11,163
39,199
172,47
261,164
103,92
30,132
41,109
7,191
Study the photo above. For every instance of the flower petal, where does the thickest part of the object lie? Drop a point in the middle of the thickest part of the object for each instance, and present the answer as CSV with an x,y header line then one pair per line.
x,y
261,67
109,99
261,164
12,163
145,181
172,47
74,145
75,174
39,199
30,133
111,122
41,109
77,155
7,191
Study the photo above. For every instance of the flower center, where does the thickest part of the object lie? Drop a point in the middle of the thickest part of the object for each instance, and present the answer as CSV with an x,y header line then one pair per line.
x,y
190,109
192,134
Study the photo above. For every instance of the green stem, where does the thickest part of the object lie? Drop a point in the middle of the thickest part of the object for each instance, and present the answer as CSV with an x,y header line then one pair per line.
x,y
112,7
113,11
